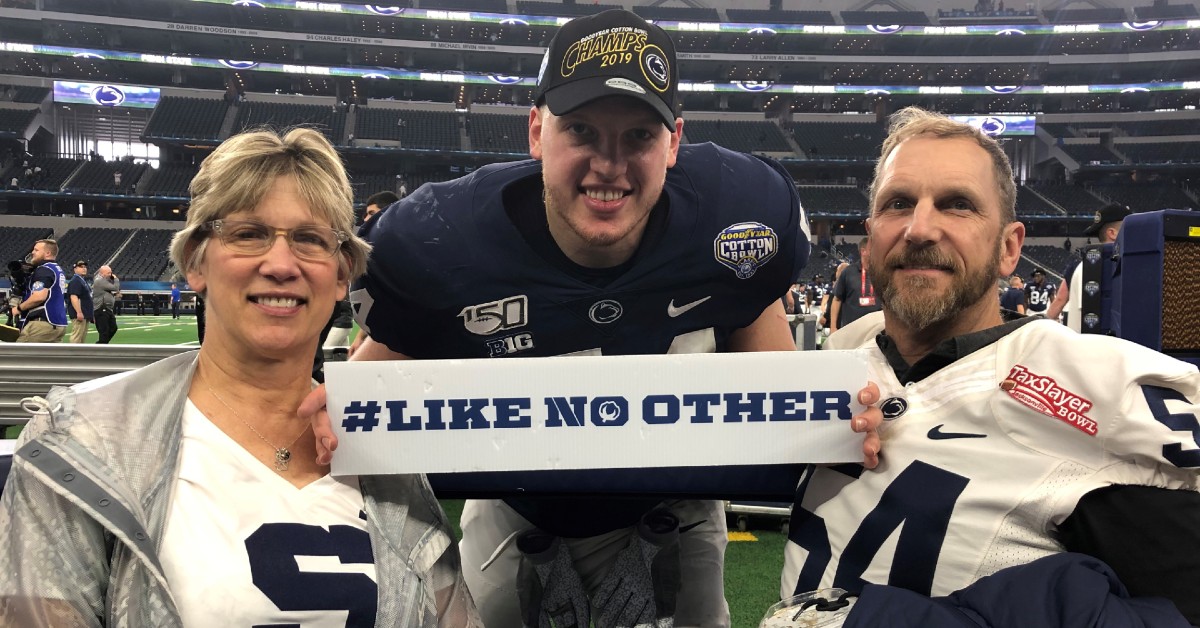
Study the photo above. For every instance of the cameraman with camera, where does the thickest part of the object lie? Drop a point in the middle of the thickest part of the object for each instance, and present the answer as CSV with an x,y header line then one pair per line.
x,y
43,312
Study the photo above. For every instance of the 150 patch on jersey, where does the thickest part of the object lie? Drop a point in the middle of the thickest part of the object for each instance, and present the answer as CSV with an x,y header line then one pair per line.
x,y
745,247
1044,394
488,318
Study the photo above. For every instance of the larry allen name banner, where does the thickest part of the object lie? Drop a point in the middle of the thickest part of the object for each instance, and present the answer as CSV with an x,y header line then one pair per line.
x,y
534,414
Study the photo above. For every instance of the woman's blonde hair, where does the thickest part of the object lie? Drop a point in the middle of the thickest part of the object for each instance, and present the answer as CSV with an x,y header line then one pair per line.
x,y
238,174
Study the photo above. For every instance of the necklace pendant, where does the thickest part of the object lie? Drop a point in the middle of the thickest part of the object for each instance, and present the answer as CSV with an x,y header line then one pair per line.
x,y
282,456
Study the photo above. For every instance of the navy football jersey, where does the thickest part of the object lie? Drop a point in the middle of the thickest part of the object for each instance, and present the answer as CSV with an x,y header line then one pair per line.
x,y
1038,298
452,277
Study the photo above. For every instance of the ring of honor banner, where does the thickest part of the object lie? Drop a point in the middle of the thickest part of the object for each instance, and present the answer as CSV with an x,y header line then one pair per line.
x,y
592,412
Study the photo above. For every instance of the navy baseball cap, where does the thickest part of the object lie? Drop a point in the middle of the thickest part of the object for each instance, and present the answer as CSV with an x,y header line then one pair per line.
x,y
1109,213
613,53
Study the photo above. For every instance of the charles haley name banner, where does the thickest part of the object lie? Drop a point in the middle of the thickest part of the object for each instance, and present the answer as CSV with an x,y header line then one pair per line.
x,y
592,412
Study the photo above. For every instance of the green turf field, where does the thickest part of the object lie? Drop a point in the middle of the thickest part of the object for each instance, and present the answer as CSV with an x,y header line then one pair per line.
x,y
752,567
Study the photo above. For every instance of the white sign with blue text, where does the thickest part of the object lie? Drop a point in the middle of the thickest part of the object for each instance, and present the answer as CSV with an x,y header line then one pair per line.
x,y
591,412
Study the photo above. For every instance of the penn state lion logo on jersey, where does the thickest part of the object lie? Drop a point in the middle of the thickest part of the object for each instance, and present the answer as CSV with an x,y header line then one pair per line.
x,y
745,247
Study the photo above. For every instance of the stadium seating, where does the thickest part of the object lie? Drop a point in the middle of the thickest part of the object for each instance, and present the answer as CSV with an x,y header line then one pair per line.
x,y
17,242
1166,11
1147,196
324,118
145,257
186,118
1087,154
820,262
23,93
97,245
858,141
14,122
1080,16
1074,199
1055,260
1030,204
499,133
482,6
169,180
97,177
1161,152
747,136
1159,127
833,200
414,129
55,171
678,13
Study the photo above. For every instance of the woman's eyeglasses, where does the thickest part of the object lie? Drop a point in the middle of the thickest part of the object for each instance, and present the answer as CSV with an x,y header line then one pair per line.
x,y
249,237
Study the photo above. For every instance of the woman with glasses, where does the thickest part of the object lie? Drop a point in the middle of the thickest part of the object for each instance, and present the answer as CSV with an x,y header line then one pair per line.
x,y
187,493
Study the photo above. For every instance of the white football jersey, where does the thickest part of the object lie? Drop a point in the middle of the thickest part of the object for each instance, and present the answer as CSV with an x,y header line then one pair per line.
x,y
983,459
244,547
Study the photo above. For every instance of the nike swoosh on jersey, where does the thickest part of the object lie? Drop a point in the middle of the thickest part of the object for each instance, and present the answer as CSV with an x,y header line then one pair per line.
x,y
936,433
673,311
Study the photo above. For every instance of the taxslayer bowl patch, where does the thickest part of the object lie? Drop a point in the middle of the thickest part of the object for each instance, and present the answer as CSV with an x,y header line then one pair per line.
x,y
745,247
1044,395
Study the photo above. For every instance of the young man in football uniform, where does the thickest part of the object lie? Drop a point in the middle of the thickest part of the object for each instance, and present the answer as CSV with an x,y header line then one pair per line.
x,y
1003,442
613,240
1039,293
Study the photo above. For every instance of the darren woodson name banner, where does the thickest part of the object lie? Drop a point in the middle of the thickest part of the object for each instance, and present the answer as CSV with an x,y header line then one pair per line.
x,y
582,412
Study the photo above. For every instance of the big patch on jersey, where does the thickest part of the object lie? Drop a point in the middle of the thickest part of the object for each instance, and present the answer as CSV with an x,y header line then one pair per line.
x,y
1044,394
745,246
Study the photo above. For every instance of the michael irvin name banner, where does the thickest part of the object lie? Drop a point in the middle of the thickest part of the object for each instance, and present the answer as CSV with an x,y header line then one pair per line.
x,y
584,412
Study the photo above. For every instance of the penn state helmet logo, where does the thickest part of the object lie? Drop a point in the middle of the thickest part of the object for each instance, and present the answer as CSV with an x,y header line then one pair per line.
x,y
237,65
374,75
87,55
655,68
885,29
504,79
1135,90
993,126
606,311
513,21
248,3
1010,32
754,86
1003,89
877,91
1092,288
761,30
745,247
893,408
107,96
1142,26
382,10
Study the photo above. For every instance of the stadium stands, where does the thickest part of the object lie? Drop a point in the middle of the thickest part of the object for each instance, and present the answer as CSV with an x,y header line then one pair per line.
x,y
1087,154
1030,204
14,122
55,171
747,136
177,118
1161,152
325,118
413,128
17,242
1072,198
1164,11
1055,260
98,177
482,6
1080,16
97,245
23,93
499,133
145,257
839,140
169,180
839,200
1147,196
1139,128
697,14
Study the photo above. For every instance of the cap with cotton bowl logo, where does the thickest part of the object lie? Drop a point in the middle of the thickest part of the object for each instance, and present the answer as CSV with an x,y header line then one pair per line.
x,y
614,53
